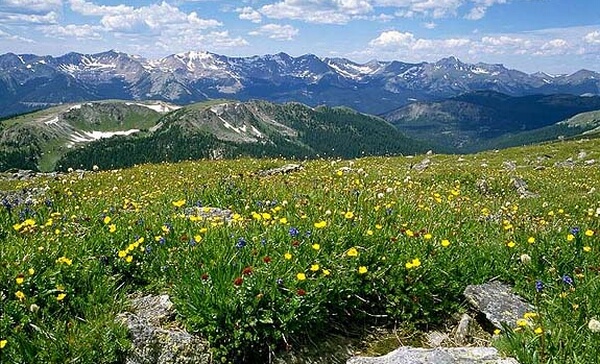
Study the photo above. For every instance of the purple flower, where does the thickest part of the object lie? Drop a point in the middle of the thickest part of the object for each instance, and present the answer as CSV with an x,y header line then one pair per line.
x,y
293,232
567,280
575,230
240,243
539,286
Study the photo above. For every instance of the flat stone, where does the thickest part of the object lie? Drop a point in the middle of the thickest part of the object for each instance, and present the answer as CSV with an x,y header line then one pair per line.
x,y
288,168
422,165
497,302
461,355
209,213
436,338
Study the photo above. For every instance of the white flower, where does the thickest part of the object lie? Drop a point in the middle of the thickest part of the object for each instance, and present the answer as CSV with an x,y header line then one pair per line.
x,y
525,259
594,325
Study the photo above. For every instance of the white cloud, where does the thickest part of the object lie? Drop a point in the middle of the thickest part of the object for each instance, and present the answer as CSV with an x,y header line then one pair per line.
x,y
393,39
49,18
12,37
31,5
430,25
592,37
248,13
318,11
276,31
80,32
90,9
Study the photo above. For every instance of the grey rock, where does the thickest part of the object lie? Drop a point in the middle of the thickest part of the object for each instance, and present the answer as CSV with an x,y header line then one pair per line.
x,y
521,186
463,330
429,152
422,165
462,355
482,186
155,336
509,165
566,164
582,155
209,213
497,302
436,338
288,168
589,162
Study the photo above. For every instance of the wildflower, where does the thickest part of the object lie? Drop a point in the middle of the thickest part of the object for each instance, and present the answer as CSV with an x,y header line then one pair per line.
x,y
3,343
321,224
64,260
497,332
362,269
240,243
238,281
369,232
112,228
594,325
279,281
316,246
539,286
300,276
204,276
326,272
409,233
567,280
413,263
531,240
247,271
61,296
20,295
293,232
587,248
287,256
511,244
349,215
300,292
178,203
314,267
525,258
122,253
197,238
107,220
267,259
31,271
283,220
538,330
570,237
529,315
20,278
522,322
352,252
589,232
129,259
427,236
574,230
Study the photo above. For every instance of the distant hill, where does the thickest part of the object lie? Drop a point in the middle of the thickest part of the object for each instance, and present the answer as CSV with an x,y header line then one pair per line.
x,y
38,139
482,120
119,134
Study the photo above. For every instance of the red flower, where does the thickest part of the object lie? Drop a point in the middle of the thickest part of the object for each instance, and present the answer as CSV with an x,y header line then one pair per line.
x,y
267,259
247,271
295,243
238,281
301,292
204,276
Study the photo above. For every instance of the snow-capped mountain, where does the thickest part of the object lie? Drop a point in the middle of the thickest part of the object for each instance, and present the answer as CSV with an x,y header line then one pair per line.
x,y
29,81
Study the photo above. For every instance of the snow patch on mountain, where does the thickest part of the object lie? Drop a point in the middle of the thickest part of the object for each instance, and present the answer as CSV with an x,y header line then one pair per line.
x,y
89,136
162,108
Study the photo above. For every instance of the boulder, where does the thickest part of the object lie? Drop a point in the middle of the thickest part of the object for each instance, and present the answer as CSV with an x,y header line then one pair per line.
x,y
461,355
155,336
496,301
288,168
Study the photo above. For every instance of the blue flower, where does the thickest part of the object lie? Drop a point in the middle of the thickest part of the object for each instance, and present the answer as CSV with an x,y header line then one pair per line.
x,y
575,230
240,243
539,286
567,280
293,232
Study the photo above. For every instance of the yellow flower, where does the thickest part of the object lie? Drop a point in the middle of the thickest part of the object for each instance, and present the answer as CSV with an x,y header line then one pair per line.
x,y
352,252
587,249
107,220
427,236
301,276
445,242
266,216
20,279
283,220
531,240
326,272
314,267
349,215
413,263
528,315
497,332
61,296
522,322
64,260
31,271
589,232
316,246
112,228
3,343
179,203
570,237
122,253
511,244
20,295
197,238
409,233
321,224
369,232
128,259
538,330
287,256
362,269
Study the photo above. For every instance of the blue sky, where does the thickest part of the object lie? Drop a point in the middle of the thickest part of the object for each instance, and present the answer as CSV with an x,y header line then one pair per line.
x,y
555,36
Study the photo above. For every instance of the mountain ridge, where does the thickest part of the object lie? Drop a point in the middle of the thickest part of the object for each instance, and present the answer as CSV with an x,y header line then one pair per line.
x,y
29,81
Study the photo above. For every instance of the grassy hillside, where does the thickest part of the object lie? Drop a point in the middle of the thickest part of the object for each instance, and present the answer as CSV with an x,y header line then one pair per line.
x,y
360,242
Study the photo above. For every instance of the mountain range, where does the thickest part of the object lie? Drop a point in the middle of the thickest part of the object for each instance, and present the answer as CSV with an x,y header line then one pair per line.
x,y
29,82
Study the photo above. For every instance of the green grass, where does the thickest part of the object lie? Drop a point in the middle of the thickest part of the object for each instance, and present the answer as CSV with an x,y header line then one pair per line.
x,y
277,275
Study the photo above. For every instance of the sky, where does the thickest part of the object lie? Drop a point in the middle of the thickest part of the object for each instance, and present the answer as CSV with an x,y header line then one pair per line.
x,y
553,36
